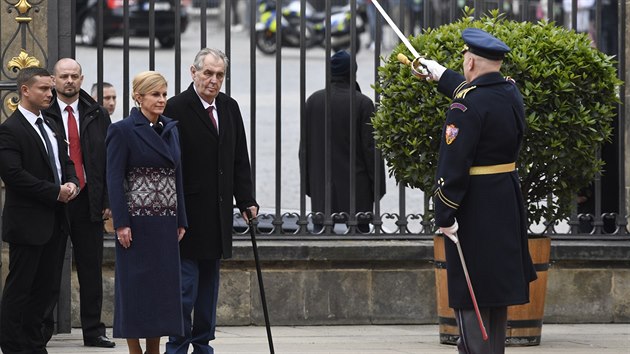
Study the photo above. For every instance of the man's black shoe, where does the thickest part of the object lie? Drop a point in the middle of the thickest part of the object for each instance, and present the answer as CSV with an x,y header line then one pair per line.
x,y
100,341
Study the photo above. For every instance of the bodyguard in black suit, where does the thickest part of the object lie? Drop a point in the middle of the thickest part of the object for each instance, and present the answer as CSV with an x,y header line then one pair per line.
x,y
89,209
216,169
39,180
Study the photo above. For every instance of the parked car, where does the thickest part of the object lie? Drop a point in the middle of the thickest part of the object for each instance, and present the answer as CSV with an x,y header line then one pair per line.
x,y
113,20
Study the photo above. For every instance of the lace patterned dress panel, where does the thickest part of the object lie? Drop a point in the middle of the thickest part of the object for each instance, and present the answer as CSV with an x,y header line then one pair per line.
x,y
151,191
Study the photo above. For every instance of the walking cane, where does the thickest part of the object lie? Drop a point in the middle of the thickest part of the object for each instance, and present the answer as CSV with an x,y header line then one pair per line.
x,y
484,334
252,232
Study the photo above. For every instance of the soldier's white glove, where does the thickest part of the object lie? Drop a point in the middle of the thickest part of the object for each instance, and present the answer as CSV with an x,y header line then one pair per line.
x,y
451,231
435,69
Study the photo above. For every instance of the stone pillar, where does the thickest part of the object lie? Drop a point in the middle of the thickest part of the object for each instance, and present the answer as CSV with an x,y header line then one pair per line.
x,y
624,11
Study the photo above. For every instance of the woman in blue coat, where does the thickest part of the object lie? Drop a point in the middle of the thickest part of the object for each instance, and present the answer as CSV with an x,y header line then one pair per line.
x,y
146,198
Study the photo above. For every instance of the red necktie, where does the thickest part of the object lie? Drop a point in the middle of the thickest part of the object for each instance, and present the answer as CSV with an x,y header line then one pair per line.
x,y
75,146
210,110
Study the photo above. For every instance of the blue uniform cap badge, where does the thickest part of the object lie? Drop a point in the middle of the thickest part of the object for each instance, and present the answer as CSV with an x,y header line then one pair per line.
x,y
451,133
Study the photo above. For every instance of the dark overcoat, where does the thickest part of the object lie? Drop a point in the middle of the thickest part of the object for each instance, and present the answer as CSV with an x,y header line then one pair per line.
x,y
484,126
145,193
313,159
93,123
30,204
216,172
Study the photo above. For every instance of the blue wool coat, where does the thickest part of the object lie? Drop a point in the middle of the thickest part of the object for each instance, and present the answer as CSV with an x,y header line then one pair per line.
x,y
144,178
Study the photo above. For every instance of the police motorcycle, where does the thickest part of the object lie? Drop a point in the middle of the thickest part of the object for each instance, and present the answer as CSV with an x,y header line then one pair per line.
x,y
315,28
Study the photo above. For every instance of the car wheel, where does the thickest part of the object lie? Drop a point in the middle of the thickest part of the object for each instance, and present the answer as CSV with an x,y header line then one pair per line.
x,y
167,42
88,30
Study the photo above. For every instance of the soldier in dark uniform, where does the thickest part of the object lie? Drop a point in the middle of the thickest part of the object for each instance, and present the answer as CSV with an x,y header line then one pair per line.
x,y
477,197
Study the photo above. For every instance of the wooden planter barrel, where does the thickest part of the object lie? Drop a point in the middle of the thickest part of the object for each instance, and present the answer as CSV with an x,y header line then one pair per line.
x,y
524,321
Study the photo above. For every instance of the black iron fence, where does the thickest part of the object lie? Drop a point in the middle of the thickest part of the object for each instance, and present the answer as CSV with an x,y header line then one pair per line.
x,y
272,90
286,209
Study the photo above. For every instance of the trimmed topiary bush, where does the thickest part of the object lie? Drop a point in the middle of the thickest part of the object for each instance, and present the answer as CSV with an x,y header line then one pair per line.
x,y
570,92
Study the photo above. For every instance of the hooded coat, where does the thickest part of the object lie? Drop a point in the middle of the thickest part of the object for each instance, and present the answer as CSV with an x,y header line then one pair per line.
x,y
313,147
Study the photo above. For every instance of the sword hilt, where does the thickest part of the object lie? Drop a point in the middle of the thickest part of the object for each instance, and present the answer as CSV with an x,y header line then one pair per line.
x,y
403,59
417,68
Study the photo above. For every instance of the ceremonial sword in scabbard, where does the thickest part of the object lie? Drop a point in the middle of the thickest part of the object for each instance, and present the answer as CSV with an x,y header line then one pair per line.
x,y
484,334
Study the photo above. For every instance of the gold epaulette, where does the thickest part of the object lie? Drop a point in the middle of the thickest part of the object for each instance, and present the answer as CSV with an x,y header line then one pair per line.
x,y
459,87
462,93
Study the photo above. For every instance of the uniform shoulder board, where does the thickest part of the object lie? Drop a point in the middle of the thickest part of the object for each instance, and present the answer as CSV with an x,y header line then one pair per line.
x,y
464,92
459,87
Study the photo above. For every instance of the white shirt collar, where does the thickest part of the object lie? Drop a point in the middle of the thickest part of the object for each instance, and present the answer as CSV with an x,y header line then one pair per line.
x,y
74,105
203,102
30,116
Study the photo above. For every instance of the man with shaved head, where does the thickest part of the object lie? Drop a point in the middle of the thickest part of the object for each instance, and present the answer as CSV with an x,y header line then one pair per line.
x,y
85,125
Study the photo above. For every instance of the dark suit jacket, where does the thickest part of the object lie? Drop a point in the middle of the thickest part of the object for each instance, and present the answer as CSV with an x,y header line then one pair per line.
x,y
216,170
93,123
31,202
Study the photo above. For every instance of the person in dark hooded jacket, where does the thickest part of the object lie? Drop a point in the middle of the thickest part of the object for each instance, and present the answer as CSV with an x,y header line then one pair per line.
x,y
312,149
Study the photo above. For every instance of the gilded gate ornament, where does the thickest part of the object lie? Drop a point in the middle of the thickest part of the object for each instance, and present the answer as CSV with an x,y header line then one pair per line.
x,y
23,60
22,37
23,6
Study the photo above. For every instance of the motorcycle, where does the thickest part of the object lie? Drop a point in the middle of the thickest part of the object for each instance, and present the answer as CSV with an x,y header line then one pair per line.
x,y
315,28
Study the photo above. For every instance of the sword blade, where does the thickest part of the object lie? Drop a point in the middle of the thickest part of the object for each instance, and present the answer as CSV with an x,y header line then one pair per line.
x,y
396,29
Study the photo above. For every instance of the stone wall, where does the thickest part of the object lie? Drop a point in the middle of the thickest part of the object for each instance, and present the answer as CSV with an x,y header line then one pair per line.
x,y
392,282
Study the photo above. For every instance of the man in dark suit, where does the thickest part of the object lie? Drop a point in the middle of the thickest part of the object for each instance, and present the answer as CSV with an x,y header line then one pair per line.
x,y
216,169
84,124
39,180
313,158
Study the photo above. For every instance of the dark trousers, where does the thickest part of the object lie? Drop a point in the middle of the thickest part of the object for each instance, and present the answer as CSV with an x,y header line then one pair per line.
x,y
28,291
471,340
87,247
200,291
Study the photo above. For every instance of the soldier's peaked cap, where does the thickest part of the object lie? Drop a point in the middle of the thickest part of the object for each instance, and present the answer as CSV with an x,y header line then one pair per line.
x,y
484,44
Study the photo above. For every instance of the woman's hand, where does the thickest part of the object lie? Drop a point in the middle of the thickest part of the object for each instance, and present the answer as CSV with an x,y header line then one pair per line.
x,y
124,236
180,233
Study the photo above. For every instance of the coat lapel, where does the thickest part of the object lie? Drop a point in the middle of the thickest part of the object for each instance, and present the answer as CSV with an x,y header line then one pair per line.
x,y
146,133
34,135
222,114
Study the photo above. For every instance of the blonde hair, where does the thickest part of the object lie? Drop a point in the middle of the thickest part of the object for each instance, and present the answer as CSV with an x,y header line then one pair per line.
x,y
146,82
